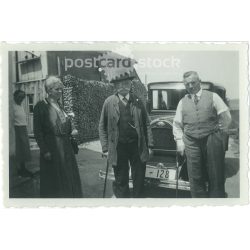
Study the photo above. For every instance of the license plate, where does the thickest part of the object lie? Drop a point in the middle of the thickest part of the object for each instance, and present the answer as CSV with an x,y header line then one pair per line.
x,y
163,174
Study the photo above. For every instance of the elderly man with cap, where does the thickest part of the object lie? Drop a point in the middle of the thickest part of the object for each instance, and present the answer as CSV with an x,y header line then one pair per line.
x,y
125,137
200,121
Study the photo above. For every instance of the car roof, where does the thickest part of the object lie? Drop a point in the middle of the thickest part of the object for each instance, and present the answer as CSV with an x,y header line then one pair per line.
x,y
163,85
176,85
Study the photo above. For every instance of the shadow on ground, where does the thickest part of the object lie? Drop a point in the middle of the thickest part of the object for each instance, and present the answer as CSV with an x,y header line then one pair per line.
x,y
90,163
231,167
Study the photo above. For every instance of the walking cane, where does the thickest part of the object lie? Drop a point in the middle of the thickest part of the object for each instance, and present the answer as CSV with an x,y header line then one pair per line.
x,y
178,167
177,175
106,176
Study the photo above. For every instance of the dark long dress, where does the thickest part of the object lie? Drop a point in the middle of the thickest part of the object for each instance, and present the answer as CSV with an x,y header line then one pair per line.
x,y
59,177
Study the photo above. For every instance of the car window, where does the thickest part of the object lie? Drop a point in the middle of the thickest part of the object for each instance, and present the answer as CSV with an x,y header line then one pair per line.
x,y
155,99
166,99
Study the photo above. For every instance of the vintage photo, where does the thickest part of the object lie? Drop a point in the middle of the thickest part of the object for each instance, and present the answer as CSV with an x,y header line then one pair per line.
x,y
148,124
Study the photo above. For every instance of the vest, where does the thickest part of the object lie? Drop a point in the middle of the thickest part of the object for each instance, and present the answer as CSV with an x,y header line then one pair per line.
x,y
199,120
127,133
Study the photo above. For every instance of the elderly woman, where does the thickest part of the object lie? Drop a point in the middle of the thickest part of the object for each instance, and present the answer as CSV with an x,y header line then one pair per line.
x,y
21,135
59,174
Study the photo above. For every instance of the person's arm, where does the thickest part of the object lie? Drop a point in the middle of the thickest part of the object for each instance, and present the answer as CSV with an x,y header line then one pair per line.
x,y
222,112
225,121
38,128
150,140
103,123
178,129
149,135
73,130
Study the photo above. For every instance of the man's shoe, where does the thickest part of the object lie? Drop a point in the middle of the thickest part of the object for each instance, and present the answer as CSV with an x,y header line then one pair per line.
x,y
25,173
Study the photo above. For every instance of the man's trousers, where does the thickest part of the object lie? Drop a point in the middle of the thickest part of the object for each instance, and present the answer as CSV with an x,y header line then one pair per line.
x,y
205,163
128,153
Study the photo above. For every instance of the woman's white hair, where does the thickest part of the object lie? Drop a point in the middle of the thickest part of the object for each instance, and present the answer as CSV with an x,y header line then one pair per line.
x,y
51,81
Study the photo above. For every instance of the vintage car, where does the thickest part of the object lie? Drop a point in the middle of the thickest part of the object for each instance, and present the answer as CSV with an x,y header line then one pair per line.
x,y
167,169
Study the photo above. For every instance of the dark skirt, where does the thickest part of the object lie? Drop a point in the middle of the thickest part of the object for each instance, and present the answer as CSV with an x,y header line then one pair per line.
x,y
22,144
59,177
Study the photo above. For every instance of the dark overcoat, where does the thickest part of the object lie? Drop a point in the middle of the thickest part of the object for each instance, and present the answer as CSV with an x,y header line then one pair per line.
x,y
109,131
59,177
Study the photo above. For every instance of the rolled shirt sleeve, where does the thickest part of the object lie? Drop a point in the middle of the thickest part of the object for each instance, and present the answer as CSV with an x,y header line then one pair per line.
x,y
222,111
219,104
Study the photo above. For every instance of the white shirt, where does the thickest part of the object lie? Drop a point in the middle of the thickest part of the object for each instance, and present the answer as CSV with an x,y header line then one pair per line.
x,y
19,115
121,98
218,104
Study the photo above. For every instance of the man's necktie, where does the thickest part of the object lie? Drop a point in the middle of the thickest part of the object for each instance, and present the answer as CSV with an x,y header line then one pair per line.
x,y
125,100
196,99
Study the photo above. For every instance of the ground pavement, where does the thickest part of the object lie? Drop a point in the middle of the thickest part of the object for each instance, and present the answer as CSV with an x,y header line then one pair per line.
x,y
90,161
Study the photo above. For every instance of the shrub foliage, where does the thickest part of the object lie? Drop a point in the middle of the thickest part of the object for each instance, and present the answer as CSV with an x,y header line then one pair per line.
x,y
85,99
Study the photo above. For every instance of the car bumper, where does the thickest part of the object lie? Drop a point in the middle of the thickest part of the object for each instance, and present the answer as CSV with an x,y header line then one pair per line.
x,y
162,183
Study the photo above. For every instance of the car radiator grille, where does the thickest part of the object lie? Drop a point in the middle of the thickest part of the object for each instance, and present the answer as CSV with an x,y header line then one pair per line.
x,y
163,138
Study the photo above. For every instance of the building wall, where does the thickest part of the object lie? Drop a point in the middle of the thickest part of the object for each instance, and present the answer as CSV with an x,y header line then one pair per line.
x,y
31,65
12,145
12,78
30,71
59,63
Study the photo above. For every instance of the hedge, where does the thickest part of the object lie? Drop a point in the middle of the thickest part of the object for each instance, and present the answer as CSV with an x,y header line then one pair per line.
x,y
85,99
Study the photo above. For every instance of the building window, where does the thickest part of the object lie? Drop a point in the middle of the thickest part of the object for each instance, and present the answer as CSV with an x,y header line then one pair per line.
x,y
30,102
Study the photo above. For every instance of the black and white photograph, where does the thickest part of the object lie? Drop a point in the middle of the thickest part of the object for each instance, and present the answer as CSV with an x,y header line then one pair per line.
x,y
134,122
124,125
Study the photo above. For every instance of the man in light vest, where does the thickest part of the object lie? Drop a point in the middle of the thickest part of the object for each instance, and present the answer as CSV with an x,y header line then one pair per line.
x,y
200,121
